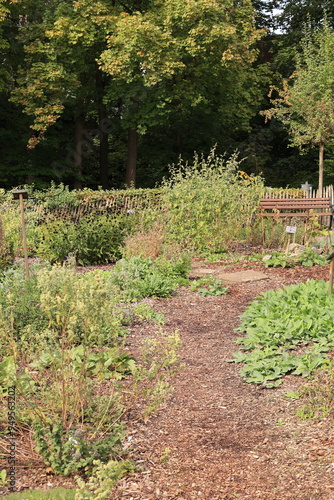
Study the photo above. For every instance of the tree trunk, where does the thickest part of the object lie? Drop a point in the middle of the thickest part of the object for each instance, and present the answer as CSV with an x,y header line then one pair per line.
x,y
130,177
78,140
103,131
321,168
104,146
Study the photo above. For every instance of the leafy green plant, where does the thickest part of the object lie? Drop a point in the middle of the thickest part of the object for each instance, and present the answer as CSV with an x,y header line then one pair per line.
x,y
208,279
105,364
99,239
138,278
67,452
55,240
174,266
103,478
94,239
212,286
279,259
307,258
3,477
58,196
143,311
287,331
215,257
213,290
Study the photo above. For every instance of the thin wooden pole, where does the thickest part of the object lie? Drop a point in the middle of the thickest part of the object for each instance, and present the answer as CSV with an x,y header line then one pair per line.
x,y
24,238
331,275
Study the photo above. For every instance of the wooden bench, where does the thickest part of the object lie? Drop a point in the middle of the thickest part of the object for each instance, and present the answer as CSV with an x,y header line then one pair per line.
x,y
296,207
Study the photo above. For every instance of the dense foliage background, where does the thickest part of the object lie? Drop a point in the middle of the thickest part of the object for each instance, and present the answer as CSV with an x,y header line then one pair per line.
x,y
107,93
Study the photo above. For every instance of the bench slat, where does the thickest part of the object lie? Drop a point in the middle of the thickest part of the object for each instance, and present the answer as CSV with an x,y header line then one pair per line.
x,y
303,207
321,203
295,214
295,205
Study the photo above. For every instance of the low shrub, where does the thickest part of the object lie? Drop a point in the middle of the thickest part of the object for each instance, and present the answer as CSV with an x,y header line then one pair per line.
x,y
93,240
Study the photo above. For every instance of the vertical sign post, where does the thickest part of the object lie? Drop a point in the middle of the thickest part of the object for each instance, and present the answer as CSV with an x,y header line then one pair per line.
x,y
21,195
290,230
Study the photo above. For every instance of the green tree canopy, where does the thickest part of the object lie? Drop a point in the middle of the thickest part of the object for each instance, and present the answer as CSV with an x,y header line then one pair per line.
x,y
305,102
180,55
4,45
174,76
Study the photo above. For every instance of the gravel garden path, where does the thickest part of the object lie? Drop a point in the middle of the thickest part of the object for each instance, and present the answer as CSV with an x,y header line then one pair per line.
x,y
219,438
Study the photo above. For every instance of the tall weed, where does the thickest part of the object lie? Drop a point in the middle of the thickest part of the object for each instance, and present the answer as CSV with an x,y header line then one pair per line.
x,y
208,202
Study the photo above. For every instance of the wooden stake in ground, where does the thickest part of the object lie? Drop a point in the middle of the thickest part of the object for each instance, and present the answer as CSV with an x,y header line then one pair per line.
x,y
20,195
331,273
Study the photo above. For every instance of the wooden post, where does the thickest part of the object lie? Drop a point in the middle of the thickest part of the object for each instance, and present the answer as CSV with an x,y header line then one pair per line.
x,y
263,231
23,195
331,273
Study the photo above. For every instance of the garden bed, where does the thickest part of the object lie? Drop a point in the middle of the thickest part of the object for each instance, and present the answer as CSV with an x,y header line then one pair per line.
x,y
217,437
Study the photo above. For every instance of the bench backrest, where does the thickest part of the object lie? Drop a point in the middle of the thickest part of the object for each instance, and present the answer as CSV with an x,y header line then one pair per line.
x,y
296,203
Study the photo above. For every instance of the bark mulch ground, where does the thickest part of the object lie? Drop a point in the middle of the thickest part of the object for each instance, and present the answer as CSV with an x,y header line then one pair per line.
x,y
218,437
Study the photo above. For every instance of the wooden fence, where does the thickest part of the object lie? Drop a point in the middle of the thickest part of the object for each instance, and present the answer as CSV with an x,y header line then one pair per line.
x,y
274,193
327,192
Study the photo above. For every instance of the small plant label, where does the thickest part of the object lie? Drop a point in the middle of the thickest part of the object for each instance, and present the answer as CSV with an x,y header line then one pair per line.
x,y
291,229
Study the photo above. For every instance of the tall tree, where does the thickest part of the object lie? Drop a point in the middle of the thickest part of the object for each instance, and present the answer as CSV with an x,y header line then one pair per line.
x,y
143,62
202,54
4,45
292,15
305,102
62,42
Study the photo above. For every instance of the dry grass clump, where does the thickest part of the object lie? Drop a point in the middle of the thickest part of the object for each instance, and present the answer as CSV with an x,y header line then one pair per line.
x,y
147,243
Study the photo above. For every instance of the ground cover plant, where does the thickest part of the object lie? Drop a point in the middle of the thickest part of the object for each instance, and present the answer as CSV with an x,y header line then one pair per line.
x,y
286,331
317,395
56,494
208,286
307,257
63,346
